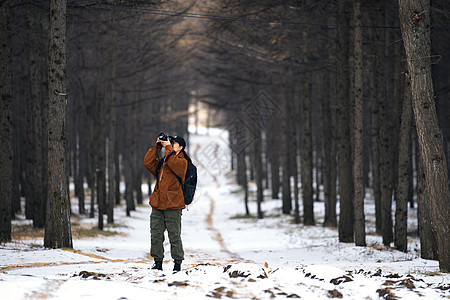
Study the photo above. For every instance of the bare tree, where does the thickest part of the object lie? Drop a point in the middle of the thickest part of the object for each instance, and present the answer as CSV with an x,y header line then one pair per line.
x,y
385,203
327,131
404,157
306,154
427,235
415,26
286,183
346,218
57,228
6,128
358,158
34,110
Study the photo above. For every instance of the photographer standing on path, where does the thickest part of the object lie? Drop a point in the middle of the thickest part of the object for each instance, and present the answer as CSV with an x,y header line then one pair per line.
x,y
167,200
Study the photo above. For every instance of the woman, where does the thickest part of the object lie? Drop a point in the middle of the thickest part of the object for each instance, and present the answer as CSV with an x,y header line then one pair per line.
x,y
167,199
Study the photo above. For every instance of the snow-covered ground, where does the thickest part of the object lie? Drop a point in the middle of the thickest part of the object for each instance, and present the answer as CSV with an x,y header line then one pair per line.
x,y
227,255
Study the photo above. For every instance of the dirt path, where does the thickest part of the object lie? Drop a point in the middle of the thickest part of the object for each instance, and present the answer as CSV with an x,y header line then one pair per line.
x,y
209,224
217,235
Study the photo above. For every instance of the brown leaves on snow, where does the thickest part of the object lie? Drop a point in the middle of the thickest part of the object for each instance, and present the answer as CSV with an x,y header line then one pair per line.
x,y
95,276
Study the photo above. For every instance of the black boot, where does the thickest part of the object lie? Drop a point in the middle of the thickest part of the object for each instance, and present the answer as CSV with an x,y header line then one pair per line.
x,y
177,267
157,265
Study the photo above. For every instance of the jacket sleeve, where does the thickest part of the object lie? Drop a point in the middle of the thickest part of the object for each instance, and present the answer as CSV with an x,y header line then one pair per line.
x,y
151,160
178,164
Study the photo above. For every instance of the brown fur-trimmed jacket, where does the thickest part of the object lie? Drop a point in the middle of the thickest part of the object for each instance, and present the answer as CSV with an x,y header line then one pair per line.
x,y
167,193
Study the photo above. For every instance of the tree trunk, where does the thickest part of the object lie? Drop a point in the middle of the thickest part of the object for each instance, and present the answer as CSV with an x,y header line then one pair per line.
x,y
286,184
111,167
243,178
117,173
294,144
257,145
129,189
375,138
306,154
427,235
57,228
395,109
45,107
15,204
358,161
401,201
385,202
91,180
328,156
343,130
29,162
79,182
6,129
274,157
100,196
138,185
415,26
385,187
38,200
82,153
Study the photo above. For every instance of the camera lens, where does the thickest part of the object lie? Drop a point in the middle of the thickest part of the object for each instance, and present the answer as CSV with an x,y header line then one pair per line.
x,y
162,136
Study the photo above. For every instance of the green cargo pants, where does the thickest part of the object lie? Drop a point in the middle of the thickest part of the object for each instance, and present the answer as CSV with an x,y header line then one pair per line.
x,y
160,220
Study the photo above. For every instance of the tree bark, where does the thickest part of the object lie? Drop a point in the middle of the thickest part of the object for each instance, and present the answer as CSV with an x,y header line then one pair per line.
x,y
274,160
358,160
415,26
117,173
111,167
306,154
328,155
243,178
294,143
36,154
343,110
286,184
79,181
15,204
29,163
427,235
257,145
100,196
6,129
383,126
385,186
375,138
129,187
401,196
57,228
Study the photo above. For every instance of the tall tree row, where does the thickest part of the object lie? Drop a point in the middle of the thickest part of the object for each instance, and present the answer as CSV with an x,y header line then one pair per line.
x,y
360,102
103,107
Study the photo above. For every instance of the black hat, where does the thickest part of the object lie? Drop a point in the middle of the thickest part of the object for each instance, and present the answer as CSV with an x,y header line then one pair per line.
x,y
179,140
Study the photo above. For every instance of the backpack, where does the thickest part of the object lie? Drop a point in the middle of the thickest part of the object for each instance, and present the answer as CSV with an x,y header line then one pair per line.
x,y
190,182
190,179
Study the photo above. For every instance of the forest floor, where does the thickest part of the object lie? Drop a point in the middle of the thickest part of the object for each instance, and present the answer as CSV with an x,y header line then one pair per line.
x,y
227,255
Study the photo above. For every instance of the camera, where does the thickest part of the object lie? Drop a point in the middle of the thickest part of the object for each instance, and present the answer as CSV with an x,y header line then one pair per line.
x,y
163,137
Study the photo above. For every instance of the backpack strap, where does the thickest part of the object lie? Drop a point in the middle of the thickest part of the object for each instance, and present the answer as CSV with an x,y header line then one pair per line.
x,y
160,164
179,178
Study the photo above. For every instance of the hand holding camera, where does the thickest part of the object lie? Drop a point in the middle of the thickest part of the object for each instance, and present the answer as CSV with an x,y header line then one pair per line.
x,y
163,139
